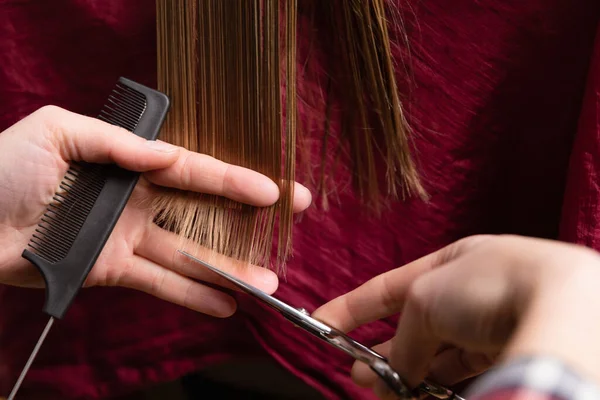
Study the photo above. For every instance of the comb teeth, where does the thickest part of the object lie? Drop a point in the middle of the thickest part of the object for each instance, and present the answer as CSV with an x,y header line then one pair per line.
x,y
65,216
124,107
83,183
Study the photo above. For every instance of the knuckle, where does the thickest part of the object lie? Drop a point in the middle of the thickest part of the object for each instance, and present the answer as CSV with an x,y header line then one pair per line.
x,y
186,173
49,111
418,294
117,276
388,297
420,299
119,131
349,307
474,363
187,301
227,180
460,247
475,240
50,117
158,281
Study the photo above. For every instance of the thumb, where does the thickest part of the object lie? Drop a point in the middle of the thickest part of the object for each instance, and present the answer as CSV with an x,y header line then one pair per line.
x,y
81,138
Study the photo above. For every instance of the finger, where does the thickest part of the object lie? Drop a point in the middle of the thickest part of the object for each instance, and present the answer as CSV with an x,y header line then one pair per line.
x,y
449,367
162,247
201,173
453,305
302,198
149,277
81,138
362,374
415,344
204,174
454,365
380,297
384,295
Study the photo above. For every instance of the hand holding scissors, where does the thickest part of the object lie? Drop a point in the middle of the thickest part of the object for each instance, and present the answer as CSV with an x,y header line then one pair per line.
x,y
301,318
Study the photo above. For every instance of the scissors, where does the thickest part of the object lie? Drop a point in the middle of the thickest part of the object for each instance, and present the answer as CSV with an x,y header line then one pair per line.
x,y
302,319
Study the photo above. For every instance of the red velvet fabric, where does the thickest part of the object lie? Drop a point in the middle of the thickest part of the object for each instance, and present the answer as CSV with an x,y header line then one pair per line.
x,y
504,102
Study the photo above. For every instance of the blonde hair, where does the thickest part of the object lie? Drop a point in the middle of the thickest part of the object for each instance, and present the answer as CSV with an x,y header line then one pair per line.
x,y
230,68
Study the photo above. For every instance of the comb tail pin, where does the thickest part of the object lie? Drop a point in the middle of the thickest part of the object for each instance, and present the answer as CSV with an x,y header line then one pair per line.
x,y
36,349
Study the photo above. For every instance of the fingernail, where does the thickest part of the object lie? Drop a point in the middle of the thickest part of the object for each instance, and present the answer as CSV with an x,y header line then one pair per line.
x,y
303,196
270,281
163,147
229,308
303,189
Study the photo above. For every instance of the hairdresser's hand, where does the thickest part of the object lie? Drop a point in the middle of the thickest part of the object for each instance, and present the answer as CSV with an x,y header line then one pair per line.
x,y
479,300
33,160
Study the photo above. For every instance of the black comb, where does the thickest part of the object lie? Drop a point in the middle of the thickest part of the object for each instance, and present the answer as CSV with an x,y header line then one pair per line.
x,y
76,226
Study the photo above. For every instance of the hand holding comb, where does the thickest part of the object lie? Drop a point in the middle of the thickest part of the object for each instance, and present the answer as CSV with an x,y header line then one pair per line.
x,y
76,226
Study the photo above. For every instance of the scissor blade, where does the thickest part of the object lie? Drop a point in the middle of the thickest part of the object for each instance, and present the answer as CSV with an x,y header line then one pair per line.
x,y
240,284
333,337
251,290
296,316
